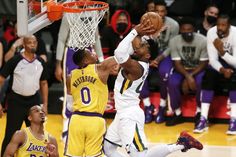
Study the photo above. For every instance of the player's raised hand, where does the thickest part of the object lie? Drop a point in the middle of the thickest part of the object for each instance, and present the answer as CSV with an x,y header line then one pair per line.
x,y
145,28
51,150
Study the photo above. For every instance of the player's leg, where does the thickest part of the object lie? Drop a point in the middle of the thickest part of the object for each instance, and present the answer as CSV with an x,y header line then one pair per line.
x,y
198,78
209,80
74,145
184,143
112,140
95,131
131,131
232,97
68,66
110,149
148,107
164,70
174,86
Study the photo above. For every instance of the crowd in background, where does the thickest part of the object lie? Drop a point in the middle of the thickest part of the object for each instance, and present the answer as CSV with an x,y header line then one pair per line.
x,y
122,17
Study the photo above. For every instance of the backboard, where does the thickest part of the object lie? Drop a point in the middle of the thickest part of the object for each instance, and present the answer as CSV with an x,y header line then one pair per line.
x,y
32,16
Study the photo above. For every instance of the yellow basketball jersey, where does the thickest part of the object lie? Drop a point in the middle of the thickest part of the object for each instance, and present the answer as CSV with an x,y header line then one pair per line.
x,y
33,147
90,94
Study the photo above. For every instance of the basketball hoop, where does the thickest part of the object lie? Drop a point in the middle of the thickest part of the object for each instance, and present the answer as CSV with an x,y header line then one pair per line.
x,y
83,18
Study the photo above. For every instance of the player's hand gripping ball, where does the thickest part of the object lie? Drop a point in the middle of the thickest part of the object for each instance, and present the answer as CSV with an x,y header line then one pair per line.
x,y
154,19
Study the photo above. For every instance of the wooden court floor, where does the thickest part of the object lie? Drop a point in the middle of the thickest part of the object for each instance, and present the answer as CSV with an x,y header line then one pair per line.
x,y
216,142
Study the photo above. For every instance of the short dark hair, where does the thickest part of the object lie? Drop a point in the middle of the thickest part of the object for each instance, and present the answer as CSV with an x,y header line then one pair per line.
x,y
160,2
78,56
153,48
212,5
187,20
148,2
225,16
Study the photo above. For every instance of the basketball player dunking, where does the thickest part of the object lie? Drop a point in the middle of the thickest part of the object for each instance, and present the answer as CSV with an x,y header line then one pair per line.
x,y
127,129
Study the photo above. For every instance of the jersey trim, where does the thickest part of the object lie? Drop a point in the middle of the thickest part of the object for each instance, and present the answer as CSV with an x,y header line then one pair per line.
x,y
93,114
138,141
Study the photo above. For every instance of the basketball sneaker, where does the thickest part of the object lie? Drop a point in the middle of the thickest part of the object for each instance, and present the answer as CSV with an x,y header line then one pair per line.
x,y
160,115
148,110
188,142
232,127
201,126
174,120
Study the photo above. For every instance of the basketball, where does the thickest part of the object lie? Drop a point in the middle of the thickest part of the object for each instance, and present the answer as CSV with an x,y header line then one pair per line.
x,y
155,19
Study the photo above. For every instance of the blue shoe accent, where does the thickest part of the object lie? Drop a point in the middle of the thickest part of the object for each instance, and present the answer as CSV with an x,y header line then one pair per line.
x,y
201,126
161,115
148,110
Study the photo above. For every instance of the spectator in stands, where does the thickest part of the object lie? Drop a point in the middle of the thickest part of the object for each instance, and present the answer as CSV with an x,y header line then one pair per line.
x,y
209,20
150,6
28,75
221,47
112,35
189,54
169,30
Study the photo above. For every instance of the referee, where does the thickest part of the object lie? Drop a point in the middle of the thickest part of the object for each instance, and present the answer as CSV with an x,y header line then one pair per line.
x,y
27,75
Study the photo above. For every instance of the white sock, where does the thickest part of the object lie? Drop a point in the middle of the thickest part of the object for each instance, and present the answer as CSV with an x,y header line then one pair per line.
x,y
177,111
162,102
205,109
233,110
175,147
163,150
147,102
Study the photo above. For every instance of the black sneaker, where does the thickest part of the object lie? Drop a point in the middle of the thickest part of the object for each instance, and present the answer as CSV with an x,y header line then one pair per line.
x,y
197,118
174,120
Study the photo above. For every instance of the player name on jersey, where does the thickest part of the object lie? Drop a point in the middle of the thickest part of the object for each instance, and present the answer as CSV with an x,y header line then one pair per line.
x,y
84,79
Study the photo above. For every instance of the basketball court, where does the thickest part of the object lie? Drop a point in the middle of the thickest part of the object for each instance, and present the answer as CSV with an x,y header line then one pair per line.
x,y
33,15
216,142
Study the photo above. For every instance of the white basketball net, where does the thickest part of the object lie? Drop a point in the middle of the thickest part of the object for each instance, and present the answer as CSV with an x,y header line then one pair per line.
x,y
83,26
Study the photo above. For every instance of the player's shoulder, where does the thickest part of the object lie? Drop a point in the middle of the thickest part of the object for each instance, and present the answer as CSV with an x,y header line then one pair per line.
x,y
19,136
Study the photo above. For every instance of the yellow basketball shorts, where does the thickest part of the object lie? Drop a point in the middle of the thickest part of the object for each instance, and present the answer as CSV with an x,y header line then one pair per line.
x,y
85,136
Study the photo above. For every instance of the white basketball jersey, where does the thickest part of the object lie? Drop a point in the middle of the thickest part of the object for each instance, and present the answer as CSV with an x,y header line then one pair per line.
x,y
126,92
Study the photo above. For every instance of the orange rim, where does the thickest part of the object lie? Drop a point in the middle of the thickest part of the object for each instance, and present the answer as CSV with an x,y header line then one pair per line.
x,y
67,7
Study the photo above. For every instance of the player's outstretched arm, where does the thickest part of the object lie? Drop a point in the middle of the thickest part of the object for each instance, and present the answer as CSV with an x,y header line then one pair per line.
x,y
125,49
17,140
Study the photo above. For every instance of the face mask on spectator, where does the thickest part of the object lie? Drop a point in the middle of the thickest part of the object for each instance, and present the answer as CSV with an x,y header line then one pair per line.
x,y
33,50
188,37
121,27
211,19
